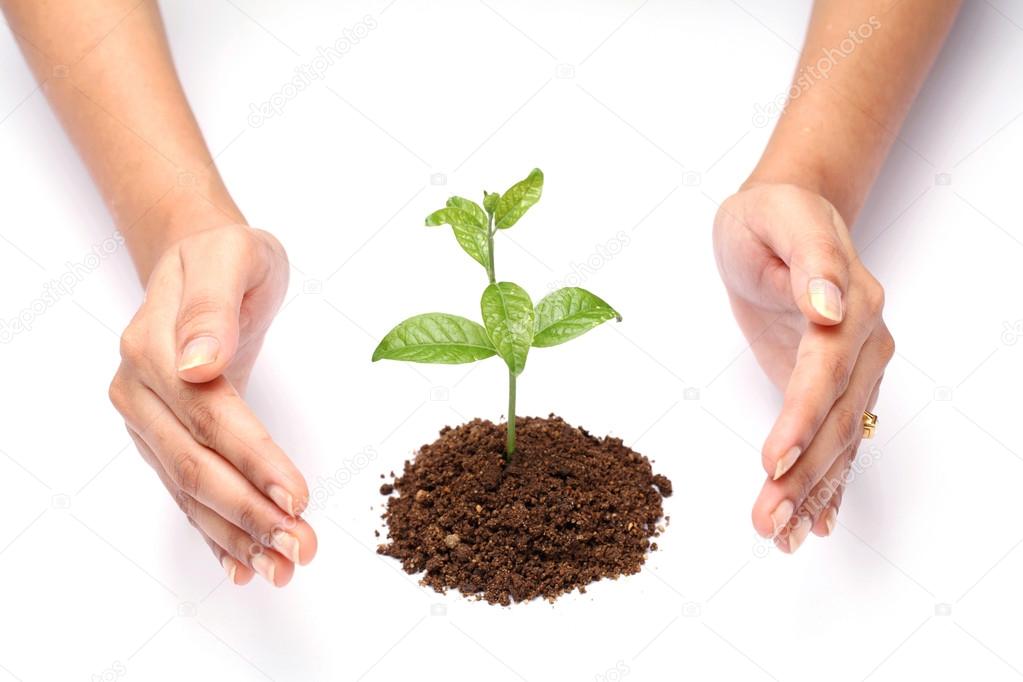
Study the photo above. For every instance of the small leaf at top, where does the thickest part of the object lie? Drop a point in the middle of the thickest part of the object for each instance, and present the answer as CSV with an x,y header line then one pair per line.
x,y
469,223
508,317
517,200
490,201
567,313
436,338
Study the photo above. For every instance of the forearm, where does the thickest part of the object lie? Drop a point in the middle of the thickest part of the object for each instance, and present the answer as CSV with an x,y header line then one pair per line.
x,y
106,69
862,65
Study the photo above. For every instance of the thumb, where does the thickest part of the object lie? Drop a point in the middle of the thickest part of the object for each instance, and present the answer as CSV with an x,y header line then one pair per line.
x,y
819,275
207,327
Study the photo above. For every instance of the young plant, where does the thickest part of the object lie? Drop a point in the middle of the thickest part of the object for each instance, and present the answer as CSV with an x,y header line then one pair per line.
x,y
511,323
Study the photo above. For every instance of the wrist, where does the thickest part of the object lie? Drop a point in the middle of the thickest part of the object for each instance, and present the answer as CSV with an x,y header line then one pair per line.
x,y
837,159
188,208
799,168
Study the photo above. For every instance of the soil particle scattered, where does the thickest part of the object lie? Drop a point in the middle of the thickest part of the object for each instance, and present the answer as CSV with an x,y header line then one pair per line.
x,y
663,484
386,489
569,509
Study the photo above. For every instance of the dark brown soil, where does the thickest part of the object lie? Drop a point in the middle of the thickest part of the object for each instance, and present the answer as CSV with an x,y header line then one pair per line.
x,y
568,510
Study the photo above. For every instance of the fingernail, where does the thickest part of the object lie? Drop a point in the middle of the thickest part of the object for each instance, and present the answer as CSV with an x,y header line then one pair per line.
x,y
799,533
826,298
230,567
264,566
199,351
830,519
787,460
285,543
282,498
781,515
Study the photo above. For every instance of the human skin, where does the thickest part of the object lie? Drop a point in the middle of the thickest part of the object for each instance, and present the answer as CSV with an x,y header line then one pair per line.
x,y
213,284
106,69
809,308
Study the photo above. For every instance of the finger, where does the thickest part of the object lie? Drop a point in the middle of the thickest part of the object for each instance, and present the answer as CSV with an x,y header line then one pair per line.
x,y
824,365
218,418
780,498
238,570
829,494
237,573
147,454
217,268
210,479
818,260
818,505
241,553
826,521
813,243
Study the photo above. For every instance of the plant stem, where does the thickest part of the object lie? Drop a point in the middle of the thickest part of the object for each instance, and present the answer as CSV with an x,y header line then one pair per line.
x,y
510,449
490,249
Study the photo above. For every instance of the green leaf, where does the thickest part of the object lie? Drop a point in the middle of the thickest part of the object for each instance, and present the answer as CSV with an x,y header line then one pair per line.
x,y
469,223
476,213
508,317
490,201
567,313
517,200
438,338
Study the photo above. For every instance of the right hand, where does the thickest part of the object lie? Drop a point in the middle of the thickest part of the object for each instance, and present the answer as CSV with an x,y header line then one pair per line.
x,y
186,358
812,315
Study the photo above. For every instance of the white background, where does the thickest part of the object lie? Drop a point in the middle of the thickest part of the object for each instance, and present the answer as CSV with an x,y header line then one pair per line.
x,y
646,125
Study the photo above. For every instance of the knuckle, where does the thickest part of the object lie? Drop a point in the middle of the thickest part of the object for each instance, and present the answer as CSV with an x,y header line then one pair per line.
x,y
848,424
187,473
237,236
133,340
248,519
204,423
840,373
198,307
186,503
117,392
836,368
248,465
886,345
242,547
273,244
874,294
827,250
803,480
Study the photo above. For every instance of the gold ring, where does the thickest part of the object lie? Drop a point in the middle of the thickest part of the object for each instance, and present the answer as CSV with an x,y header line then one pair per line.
x,y
869,424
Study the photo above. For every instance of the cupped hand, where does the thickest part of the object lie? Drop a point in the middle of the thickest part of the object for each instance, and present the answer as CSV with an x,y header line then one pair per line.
x,y
812,314
186,358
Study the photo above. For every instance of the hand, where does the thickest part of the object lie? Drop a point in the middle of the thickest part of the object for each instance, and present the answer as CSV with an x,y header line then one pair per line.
x,y
812,314
186,359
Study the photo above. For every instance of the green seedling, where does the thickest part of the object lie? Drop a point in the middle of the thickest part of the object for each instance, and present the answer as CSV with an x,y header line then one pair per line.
x,y
511,323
